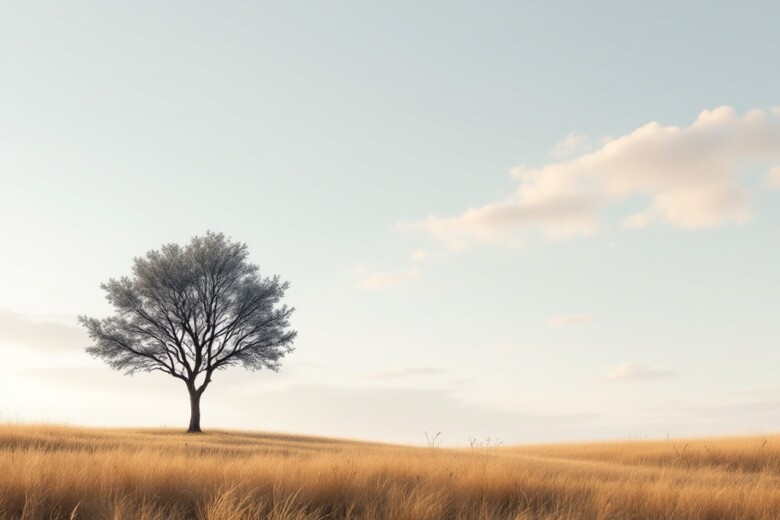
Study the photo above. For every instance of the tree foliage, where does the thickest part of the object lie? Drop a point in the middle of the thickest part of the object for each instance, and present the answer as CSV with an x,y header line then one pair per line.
x,y
190,311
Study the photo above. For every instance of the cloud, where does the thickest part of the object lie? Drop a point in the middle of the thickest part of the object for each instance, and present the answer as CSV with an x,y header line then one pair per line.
x,y
388,279
396,373
570,144
41,334
687,177
570,320
633,372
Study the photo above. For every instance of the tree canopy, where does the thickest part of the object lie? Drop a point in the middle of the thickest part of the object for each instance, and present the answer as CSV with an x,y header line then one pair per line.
x,y
190,311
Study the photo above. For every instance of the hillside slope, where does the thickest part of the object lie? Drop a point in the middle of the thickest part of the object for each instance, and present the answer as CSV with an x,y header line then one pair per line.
x,y
59,472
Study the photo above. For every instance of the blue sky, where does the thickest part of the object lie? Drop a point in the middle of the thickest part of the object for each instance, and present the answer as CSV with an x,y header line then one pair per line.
x,y
531,222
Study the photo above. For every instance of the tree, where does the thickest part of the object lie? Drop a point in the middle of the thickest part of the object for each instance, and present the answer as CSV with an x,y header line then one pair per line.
x,y
190,311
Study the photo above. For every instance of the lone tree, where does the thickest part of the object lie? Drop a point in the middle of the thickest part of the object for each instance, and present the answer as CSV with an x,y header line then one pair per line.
x,y
190,311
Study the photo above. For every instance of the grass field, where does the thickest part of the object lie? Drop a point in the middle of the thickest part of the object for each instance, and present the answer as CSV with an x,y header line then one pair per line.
x,y
59,472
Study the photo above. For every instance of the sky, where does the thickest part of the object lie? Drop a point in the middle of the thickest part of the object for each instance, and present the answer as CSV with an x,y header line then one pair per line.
x,y
532,222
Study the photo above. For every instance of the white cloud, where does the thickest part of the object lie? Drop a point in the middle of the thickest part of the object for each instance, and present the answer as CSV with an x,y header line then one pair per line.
x,y
388,279
569,145
688,177
396,373
633,372
570,320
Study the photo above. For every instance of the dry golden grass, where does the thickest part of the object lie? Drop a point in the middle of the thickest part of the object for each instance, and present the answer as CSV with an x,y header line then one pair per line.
x,y
57,472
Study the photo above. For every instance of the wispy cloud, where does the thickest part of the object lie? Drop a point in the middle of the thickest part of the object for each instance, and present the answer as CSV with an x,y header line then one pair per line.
x,y
571,144
388,279
41,333
569,320
633,372
397,373
690,177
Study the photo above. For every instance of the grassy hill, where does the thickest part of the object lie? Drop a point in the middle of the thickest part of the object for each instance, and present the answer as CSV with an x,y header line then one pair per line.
x,y
60,472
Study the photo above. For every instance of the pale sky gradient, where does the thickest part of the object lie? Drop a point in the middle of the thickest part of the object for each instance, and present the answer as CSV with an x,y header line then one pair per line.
x,y
534,222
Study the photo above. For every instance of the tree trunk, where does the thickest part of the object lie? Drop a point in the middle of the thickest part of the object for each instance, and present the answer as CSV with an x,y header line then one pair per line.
x,y
194,411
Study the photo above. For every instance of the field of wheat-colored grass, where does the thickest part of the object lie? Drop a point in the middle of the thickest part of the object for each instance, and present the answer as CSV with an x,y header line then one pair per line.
x,y
62,472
